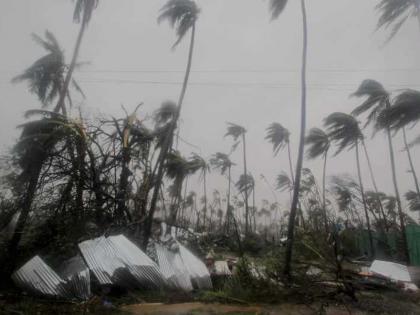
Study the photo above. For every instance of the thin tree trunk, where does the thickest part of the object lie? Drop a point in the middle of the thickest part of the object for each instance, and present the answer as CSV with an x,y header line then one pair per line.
x,y
359,174
324,204
397,195
60,105
410,160
167,145
34,173
246,190
292,217
372,176
205,198
290,163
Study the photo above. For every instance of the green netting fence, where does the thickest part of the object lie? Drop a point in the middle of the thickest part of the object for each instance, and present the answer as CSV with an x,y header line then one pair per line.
x,y
386,245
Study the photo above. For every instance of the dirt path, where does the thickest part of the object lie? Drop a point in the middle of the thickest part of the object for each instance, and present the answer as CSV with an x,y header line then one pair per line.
x,y
212,309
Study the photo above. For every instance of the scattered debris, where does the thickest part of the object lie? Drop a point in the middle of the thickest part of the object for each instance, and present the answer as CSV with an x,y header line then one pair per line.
x,y
117,261
394,271
37,278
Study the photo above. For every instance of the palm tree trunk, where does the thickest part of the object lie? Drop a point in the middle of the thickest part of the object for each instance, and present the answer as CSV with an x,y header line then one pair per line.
x,y
410,160
246,190
167,145
228,212
292,217
205,198
324,204
397,195
34,172
372,176
60,105
359,174
290,163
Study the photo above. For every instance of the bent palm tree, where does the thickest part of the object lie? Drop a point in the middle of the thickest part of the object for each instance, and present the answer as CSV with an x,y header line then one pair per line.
x,y
182,15
276,8
394,13
279,137
344,130
319,145
222,162
37,143
377,101
235,131
200,164
82,14
46,75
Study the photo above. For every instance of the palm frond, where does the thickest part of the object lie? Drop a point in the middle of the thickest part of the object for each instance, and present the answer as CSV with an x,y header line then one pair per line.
x,y
181,14
283,182
278,136
404,111
343,129
277,7
413,200
376,99
318,143
166,113
221,161
83,10
394,13
235,131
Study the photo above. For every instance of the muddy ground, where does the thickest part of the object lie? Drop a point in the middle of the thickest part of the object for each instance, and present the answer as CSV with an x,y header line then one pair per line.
x,y
369,302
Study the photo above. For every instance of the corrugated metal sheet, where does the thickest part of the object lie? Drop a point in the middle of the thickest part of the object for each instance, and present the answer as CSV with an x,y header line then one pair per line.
x,y
198,271
77,277
116,260
173,269
38,278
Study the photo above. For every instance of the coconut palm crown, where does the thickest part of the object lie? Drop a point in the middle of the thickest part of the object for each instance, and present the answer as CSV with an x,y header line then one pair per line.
x,y
181,14
344,130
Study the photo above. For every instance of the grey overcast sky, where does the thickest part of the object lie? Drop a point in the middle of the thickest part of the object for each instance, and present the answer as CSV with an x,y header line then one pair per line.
x,y
245,70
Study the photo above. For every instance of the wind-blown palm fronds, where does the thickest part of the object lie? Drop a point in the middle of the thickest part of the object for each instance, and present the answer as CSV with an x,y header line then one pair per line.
x,y
235,131
46,75
278,136
318,143
83,10
377,99
221,161
283,182
344,130
404,111
394,13
181,14
277,7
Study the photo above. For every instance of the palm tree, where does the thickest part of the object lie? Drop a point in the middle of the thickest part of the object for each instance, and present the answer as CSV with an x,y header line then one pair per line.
x,y
279,137
377,101
200,164
182,15
319,145
394,13
37,143
45,76
222,162
82,14
276,8
235,131
245,185
344,130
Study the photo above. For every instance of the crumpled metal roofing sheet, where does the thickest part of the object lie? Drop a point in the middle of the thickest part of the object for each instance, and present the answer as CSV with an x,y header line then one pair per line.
x,y
198,271
116,260
77,277
173,269
38,278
